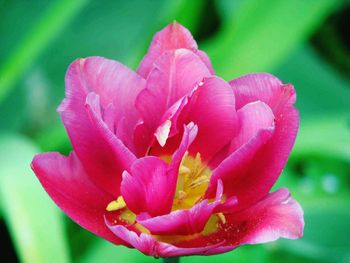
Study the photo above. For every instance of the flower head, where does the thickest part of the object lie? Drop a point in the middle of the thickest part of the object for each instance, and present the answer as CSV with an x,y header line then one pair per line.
x,y
173,160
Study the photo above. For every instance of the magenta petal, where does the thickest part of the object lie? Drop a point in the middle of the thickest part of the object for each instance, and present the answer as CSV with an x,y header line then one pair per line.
x,y
234,171
175,74
183,222
103,159
268,162
277,215
180,222
65,180
150,187
263,87
212,108
252,117
172,37
150,246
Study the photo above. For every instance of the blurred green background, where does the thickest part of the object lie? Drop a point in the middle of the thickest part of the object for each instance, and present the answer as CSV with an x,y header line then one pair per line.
x,y
304,42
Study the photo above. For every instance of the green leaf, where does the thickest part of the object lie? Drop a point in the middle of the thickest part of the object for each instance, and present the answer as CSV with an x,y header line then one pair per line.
x,y
34,222
263,33
326,237
327,136
320,89
56,18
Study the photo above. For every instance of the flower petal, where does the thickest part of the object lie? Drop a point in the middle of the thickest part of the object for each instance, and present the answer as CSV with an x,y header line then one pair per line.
x,y
252,117
103,156
263,163
65,180
264,87
277,215
212,108
150,187
148,245
234,171
183,222
172,37
175,74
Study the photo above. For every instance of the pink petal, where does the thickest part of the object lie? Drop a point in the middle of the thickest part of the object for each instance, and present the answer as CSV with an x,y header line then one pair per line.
x,y
263,163
235,174
172,37
183,222
252,117
148,245
65,180
277,215
180,222
150,187
211,105
175,74
212,108
264,87
103,156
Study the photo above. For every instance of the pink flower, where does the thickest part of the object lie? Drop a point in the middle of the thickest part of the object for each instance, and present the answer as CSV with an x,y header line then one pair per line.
x,y
173,160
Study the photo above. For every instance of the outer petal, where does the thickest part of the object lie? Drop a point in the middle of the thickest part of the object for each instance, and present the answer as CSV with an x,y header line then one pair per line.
x,y
252,117
148,245
264,87
277,215
150,187
103,155
175,74
265,163
174,36
65,180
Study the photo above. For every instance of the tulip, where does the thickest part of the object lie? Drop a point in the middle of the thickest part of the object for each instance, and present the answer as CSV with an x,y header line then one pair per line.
x,y
171,159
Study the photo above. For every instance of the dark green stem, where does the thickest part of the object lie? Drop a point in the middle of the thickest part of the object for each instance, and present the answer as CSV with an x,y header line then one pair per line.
x,y
171,260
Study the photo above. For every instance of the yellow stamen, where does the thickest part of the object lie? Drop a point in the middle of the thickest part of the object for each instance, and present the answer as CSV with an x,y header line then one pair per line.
x,y
116,204
222,218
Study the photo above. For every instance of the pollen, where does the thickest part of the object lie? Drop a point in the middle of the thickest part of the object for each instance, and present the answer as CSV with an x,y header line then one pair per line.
x,y
192,182
222,218
116,204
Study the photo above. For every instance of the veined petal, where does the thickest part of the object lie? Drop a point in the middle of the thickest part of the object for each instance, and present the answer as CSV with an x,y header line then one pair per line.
x,y
252,117
233,171
212,108
277,215
263,87
65,180
175,74
266,162
110,181
149,245
103,159
172,37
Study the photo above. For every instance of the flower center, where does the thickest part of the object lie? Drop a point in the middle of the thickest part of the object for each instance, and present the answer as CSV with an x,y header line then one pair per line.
x,y
192,182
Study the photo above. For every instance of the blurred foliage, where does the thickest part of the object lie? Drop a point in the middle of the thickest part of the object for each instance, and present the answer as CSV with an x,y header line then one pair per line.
x,y
302,42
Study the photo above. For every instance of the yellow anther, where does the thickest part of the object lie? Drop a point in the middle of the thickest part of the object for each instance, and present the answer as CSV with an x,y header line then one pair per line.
x,y
184,170
200,180
222,218
116,204
182,194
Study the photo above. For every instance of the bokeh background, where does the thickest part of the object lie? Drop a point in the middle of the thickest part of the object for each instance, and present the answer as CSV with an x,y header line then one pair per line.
x,y
304,42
